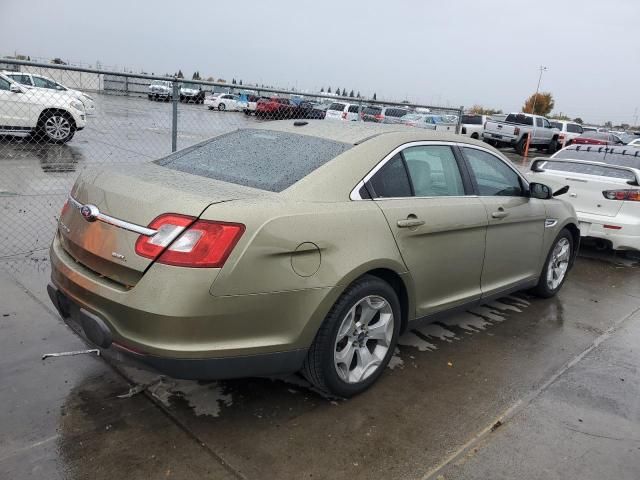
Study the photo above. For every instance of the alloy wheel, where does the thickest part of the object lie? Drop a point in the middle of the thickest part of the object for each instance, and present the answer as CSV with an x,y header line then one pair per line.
x,y
363,339
57,127
558,263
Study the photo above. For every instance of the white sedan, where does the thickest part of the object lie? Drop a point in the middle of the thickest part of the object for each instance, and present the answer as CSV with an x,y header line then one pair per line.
x,y
31,80
604,189
226,101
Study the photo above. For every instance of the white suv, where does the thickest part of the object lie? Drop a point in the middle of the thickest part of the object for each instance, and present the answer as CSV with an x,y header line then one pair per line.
x,y
51,116
31,80
569,131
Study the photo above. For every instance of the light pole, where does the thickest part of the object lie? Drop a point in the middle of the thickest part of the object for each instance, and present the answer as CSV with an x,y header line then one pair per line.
x,y
535,99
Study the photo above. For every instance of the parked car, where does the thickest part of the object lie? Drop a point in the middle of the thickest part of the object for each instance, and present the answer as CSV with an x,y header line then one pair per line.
x,y
310,110
191,93
569,131
429,121
160,90
379,114
597,138
348,112
514,130
604,188
49,116
249,103
32,80
251,262
275,107
634,143
473,125
226,101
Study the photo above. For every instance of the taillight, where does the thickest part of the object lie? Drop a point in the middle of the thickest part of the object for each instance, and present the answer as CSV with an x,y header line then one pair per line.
x,y
516,131
185,241
344,115
65,208
624,195
379,116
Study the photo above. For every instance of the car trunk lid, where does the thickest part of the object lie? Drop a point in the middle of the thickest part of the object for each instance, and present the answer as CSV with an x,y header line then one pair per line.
x,y
125,203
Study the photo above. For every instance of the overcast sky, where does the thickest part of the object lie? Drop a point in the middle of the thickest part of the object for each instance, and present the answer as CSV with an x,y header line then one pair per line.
x,y
461,52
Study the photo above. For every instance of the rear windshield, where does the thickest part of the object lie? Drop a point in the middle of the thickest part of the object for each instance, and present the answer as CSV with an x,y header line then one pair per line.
x,y
372,110
557,125
262,159
587,169
519,118
395,112
472,119
623,156
337,106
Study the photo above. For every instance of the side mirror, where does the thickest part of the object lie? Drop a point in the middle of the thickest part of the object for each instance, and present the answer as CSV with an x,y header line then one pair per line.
x,y
15,88
540,190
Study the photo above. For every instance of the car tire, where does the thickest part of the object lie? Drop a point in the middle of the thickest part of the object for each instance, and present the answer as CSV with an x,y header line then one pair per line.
x,y
556,265
553,147
521,145
222,107
475,136
345,359
56,127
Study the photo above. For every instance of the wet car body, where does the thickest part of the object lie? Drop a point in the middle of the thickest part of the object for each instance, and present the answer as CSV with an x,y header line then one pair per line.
x,y
298,246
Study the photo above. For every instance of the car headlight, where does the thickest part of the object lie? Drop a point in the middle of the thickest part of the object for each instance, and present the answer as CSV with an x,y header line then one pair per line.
x,y
77,105
87,97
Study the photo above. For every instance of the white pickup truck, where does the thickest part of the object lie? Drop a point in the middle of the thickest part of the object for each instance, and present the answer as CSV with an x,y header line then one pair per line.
x,y
514,129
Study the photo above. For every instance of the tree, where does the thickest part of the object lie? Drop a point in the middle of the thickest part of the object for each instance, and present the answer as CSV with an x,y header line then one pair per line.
x,y
578,120
480,110
608,124
329,90
338,91
375,97
240,82
233,81
196,76
543,104
358,95
352,94
180,75
321,89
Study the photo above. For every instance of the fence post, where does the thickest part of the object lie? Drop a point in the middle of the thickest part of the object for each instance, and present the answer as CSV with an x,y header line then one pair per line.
x,y
126,85
175,96
360,109
459,125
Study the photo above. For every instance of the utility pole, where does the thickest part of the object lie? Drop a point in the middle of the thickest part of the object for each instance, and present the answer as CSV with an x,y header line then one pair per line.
x,y
535,99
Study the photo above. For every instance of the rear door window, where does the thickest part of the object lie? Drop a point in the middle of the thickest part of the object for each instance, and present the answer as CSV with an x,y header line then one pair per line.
x,y
391,181
539,122
472,119
353,108
574,128
519,118
434,171
263,159
338,107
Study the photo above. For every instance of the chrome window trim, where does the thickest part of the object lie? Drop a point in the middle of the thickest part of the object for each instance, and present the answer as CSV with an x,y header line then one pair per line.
x,y
116,222
355,192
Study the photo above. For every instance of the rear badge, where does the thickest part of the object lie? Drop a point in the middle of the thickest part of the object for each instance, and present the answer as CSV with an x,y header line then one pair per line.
x,y
119,256
89,212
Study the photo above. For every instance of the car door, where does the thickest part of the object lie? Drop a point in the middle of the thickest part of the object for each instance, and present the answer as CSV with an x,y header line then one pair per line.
x,y
438,224
15,107
516,222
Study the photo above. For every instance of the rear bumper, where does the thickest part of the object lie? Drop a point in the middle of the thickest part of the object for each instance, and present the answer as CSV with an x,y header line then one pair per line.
x,y
497,137
625,238
94,330
170,320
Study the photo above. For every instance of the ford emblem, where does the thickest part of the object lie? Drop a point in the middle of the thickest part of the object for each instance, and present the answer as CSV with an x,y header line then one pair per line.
x,y
89,212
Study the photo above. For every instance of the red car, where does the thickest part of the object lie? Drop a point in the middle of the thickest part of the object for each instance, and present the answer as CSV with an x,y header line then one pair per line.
x,y
597,138
275,107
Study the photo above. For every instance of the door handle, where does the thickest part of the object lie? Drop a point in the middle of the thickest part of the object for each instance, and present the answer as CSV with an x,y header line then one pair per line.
x,y
410,223
500,213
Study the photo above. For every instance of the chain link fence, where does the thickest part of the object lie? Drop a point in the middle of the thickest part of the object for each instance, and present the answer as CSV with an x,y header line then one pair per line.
x,y
56,120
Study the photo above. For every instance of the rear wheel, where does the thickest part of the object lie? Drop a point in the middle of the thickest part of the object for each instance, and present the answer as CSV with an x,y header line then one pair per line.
x,y
553,147
521,145
356,340
475,135
56,127
556,266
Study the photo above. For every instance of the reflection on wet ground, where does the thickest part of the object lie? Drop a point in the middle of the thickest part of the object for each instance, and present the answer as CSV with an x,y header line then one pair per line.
x,y
447,381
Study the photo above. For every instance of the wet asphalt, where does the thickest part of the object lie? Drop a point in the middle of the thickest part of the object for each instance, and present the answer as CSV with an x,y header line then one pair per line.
x,y
518,388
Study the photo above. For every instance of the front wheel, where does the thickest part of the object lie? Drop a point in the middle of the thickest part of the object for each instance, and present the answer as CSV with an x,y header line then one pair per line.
x,y
222,107
57,127
356,340
556,266
521,145
552,147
